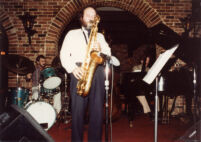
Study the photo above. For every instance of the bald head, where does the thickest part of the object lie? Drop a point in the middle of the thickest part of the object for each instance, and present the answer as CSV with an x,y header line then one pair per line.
x,y
89,9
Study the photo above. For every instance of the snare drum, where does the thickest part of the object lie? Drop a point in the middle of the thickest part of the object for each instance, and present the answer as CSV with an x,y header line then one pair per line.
x,y
49,92
42,112
18,96
51,81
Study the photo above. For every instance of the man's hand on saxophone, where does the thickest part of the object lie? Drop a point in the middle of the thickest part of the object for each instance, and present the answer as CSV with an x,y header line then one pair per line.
x,y
78,72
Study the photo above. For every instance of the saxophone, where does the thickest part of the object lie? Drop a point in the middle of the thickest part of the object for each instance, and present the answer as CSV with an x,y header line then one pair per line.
x,y
92,60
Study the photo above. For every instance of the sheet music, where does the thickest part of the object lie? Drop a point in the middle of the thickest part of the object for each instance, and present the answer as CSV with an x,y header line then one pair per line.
x,y
159,64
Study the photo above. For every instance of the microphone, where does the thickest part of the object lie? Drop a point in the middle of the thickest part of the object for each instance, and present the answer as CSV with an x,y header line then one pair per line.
x,y
112,59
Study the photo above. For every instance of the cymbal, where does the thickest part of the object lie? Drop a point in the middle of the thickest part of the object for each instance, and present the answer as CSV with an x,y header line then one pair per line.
x,y
19,64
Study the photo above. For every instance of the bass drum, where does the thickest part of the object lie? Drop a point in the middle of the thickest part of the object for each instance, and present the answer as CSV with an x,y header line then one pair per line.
x,y
42,112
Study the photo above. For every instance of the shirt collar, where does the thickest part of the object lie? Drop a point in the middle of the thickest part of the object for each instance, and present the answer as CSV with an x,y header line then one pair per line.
x,y
85,30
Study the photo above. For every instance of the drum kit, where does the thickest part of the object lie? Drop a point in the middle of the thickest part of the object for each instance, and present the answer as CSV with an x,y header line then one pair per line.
x,y
41,108
20,66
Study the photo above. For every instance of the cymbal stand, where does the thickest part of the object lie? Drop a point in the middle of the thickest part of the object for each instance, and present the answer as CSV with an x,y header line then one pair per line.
x,y
17,87
17,77
17,82
66,104
63,116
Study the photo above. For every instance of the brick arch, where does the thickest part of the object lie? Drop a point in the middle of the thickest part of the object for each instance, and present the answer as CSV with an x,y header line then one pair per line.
x,y
10,31
140,8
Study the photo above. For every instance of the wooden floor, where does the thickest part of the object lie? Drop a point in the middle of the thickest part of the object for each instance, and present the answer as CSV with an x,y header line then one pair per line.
x,y
142,130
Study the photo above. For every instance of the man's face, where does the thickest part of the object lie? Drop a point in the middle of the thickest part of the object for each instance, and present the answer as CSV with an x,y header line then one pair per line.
x,y
42,62
88,16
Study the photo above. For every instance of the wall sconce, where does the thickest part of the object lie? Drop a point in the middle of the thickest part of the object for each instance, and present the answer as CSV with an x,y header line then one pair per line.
x,y
28,23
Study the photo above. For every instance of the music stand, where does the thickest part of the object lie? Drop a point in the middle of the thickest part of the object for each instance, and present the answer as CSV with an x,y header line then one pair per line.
x,y
154,73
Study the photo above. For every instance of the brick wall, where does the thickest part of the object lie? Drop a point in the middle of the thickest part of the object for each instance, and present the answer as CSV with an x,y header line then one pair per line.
x,y
53,16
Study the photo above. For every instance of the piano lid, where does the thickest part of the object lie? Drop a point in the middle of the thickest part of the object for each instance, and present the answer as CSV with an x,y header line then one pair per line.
x,y
164,36
189,48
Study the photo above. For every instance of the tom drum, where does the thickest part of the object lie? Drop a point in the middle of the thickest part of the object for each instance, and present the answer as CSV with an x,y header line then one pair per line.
x,y
51,80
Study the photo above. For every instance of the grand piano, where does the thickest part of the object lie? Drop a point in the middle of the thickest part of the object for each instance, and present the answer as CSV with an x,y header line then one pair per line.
x,y
178,82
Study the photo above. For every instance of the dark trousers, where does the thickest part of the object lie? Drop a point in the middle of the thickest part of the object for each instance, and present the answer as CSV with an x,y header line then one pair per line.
x,y
95,102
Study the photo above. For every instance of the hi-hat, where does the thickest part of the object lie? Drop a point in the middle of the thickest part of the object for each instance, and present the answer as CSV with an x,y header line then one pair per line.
x,y
19,64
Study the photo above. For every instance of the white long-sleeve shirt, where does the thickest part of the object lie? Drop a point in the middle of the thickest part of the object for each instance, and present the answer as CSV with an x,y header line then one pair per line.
x,y
74,47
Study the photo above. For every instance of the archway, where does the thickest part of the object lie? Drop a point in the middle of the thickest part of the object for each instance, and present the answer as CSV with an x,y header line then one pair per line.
x,y
140,8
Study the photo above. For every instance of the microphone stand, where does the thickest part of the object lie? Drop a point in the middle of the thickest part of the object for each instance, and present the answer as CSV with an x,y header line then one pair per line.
x,y
106,98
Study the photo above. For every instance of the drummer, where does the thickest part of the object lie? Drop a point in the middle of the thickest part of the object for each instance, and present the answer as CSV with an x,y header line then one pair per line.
x,y
36,84
40,65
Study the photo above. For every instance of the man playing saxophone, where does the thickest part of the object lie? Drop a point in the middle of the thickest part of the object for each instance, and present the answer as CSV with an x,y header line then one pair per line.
x,y
73,54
